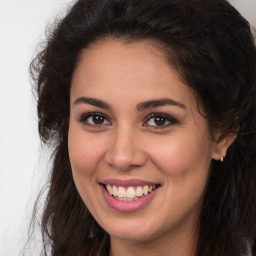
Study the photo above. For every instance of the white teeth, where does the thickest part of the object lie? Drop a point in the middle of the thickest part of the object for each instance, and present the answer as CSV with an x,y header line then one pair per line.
x,y
139,191
115,192
145,190
130,193
121,192
109,189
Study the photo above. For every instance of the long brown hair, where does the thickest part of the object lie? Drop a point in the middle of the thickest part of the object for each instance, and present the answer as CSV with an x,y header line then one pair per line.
x,y
212,48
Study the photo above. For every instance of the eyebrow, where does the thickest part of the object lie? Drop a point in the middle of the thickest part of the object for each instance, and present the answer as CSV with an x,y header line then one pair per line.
x,y
92,101
159,103
140,107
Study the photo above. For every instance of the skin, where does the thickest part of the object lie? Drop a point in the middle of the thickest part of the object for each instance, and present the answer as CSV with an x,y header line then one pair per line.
x,y
130,145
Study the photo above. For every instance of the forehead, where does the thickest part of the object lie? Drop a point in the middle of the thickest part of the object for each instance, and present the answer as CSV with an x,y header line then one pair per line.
x,y
120,56
112,68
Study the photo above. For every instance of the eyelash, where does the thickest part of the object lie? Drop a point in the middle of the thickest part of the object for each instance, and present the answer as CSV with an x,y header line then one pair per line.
x,y
171,121
84,119
167,118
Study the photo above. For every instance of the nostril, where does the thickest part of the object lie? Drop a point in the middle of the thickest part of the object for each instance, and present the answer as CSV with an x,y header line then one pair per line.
x,y
122,159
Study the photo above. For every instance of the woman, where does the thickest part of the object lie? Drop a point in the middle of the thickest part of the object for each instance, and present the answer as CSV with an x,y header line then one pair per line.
x,y
150,109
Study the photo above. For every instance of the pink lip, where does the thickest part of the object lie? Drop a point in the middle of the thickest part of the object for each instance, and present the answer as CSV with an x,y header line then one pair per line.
x,y
127,206
127,183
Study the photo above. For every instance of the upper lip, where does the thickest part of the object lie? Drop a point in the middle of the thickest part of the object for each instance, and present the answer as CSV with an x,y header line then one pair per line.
x,y
127,183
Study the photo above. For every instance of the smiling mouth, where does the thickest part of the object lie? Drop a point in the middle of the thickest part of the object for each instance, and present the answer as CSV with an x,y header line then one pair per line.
x,y
131,193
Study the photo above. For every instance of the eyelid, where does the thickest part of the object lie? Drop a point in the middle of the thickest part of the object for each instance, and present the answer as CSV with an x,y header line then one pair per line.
x,y
172,120
84,117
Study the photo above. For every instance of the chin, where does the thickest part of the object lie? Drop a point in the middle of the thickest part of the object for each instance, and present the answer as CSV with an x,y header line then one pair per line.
x,y
131,230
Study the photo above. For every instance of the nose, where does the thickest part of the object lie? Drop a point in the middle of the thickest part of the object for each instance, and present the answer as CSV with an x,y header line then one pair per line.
x,y
125,150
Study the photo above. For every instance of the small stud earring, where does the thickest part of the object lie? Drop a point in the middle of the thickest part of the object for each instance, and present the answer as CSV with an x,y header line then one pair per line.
x,y
221,158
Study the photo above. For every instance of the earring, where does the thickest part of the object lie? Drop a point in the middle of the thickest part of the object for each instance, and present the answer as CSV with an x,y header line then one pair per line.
x,y
221,158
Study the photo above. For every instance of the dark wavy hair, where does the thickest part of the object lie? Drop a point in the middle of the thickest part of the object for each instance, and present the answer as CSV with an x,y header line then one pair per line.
x,y
211,46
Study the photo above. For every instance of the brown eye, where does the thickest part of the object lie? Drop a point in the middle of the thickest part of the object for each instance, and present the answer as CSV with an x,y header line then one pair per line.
x,y
94,119
98,119
160,121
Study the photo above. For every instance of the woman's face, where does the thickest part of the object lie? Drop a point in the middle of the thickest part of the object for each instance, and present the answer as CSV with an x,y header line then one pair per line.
x,y
139,149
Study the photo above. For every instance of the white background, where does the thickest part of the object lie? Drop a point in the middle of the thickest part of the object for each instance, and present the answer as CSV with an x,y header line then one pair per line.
x,y
22,24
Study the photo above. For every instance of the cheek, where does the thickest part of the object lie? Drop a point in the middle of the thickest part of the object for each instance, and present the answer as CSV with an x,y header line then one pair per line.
x,y
185,167
185,163
84,158
182,154
84,152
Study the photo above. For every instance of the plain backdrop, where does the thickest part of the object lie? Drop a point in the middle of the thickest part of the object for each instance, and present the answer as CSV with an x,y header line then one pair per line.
x,y
23,165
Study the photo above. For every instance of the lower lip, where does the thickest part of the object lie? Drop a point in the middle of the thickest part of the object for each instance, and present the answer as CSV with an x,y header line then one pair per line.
x,y
127,206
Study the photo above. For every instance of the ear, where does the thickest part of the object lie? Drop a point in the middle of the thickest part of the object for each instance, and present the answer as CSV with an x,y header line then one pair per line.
x,y
221,145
